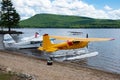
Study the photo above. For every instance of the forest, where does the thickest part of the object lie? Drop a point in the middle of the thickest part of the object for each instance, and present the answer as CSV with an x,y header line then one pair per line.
x,y
65,21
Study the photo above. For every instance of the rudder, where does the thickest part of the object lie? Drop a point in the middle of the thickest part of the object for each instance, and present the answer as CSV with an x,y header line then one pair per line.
x,y
46,41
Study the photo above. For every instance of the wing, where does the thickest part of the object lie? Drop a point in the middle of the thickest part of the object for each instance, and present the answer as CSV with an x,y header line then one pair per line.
x,y
81,39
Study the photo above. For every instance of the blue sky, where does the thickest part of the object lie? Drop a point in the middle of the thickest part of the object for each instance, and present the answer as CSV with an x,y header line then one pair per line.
x,y
101,3
100,9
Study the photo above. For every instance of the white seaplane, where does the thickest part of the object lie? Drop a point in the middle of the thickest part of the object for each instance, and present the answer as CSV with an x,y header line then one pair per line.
x,y
32,42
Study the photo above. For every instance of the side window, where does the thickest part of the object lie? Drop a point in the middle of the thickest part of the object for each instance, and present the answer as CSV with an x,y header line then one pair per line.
x,y
35,42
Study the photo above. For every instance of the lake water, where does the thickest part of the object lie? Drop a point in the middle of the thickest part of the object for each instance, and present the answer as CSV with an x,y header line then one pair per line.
x,y
109,52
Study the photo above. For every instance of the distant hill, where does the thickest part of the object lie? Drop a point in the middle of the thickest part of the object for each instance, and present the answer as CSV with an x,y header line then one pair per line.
x,y
64,21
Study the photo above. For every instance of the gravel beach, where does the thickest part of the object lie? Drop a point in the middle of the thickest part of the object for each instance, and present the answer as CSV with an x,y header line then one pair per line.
x,y
58,71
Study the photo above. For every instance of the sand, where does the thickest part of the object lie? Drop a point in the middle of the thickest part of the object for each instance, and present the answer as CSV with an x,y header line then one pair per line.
x,y
58,71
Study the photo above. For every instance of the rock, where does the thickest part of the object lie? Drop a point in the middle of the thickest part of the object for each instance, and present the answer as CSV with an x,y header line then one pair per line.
x,y
25,76
8,69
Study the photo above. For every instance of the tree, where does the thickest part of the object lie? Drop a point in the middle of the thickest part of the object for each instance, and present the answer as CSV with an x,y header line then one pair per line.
x,y
9,16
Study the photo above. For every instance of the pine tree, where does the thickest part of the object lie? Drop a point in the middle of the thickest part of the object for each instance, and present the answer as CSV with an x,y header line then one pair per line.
x,y
9,16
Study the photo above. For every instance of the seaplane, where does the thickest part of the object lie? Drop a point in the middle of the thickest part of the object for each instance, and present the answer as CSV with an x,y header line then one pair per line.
x,y
75,33
69,44
32,42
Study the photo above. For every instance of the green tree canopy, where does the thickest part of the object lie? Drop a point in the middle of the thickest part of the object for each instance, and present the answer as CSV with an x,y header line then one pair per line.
x,y
9,16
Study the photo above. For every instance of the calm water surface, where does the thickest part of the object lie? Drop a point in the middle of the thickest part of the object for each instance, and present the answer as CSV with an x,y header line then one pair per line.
x,y
109,52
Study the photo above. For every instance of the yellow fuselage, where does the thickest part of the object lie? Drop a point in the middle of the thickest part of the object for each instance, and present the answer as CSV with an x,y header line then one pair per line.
x,y
70,45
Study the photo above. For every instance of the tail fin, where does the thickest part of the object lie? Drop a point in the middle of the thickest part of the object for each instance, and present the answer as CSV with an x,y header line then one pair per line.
x,y
46,41
47,45
8,39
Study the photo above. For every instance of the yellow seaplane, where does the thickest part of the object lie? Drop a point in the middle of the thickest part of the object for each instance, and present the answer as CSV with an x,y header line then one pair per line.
x,y
71,43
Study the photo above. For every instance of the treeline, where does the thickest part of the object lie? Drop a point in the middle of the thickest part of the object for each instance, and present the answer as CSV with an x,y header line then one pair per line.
x,y
63,21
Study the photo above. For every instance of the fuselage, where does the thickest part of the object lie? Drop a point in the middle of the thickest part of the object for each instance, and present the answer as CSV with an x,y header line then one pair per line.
x,y
71,45
24,43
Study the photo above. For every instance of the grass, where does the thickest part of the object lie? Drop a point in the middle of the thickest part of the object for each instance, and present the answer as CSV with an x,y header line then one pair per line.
x,y
4,76
7,76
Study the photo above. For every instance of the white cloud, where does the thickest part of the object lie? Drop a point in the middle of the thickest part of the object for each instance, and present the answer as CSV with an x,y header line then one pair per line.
x,y
107,7
28,8
114,14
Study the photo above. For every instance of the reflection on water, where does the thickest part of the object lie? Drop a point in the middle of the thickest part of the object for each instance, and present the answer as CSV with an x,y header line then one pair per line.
x,y
109,52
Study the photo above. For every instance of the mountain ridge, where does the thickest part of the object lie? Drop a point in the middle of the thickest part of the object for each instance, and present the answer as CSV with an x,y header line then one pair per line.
x,y
65,21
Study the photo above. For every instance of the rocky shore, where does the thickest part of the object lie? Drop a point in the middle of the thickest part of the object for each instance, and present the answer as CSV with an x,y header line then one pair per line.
x,y
11,75
37,68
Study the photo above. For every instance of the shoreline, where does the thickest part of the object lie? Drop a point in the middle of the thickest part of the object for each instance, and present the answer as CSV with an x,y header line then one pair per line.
x,y
58,71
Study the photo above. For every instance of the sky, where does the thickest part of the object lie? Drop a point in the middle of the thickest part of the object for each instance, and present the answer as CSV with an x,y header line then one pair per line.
x,y
99,9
